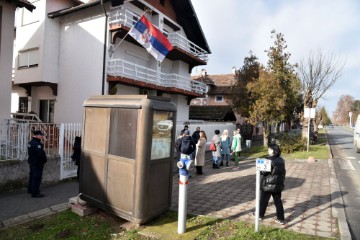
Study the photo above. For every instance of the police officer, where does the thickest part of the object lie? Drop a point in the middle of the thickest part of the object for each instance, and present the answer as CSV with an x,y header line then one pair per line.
x,y
37,159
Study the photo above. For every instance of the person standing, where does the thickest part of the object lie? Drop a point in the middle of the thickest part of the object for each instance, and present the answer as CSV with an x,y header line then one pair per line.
x,y
217,153
273,183
236,147
200,153
195,136
186,127
225,148
37,159
77,155
185,145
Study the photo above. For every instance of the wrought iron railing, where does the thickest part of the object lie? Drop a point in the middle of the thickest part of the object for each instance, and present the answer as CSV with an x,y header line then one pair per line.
x,y
123,16
121,68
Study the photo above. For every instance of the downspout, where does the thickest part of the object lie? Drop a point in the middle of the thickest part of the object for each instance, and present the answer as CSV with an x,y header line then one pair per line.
x,y
105,50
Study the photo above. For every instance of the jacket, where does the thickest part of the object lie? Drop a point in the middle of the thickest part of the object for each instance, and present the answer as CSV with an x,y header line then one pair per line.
x,y
274,181
37,155
236,143
191,148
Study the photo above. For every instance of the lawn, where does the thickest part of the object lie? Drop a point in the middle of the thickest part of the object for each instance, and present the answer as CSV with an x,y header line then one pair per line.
x,y
68,225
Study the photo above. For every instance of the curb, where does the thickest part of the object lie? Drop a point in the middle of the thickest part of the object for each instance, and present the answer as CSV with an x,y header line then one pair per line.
x,y
337,204
34,215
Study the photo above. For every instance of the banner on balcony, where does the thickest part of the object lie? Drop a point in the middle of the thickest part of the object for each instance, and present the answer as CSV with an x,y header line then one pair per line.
x,y
151,38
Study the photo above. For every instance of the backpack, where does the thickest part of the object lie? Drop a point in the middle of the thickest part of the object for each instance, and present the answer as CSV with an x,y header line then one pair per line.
x,y
186,147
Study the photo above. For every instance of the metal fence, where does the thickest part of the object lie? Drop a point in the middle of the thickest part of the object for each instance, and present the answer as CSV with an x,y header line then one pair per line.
x,y
58,142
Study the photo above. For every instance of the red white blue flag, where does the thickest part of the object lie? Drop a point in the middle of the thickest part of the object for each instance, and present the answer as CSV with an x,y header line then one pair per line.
x,y
151,38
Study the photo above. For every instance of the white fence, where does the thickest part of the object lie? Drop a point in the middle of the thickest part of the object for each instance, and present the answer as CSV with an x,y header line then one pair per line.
x,y
58,142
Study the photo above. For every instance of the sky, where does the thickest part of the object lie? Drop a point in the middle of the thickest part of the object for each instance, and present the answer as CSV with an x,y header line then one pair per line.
x,y
234,27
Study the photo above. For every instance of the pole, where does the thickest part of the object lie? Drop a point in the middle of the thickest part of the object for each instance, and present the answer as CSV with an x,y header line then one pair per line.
x,y
308,139
182,211
257,208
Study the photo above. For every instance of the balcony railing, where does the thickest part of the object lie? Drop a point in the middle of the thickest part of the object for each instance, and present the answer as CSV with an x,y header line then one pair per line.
x,y
121,68
123,16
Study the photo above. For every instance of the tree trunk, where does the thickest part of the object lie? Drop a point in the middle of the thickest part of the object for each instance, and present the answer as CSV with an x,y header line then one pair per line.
x,y
266,133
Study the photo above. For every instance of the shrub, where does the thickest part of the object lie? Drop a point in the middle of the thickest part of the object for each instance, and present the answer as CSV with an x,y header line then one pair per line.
x,y
289,141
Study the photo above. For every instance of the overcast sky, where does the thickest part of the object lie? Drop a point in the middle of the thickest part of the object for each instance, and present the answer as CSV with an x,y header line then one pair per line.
x,y
234,27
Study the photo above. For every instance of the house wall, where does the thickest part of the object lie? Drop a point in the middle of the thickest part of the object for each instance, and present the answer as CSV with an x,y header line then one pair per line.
x,y
80,62
6,53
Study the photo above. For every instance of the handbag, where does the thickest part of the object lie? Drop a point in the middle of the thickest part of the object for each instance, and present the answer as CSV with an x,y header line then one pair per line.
x,y
212,147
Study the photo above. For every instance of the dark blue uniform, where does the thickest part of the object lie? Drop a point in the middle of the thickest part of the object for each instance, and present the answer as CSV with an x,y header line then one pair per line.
x,y
37,159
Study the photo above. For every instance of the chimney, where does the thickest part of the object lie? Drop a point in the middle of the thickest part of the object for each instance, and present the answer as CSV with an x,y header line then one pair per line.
x,y
234,71
203,73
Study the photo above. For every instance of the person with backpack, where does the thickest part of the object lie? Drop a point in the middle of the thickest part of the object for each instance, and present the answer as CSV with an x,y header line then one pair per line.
x,y
185,145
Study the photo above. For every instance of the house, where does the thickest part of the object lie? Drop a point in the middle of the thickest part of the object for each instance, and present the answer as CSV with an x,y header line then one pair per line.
x,y
215,105
7,16
71,50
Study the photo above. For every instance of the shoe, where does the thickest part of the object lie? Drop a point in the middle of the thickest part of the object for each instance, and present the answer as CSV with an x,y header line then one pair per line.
x,y
39,195
221,164
282,222
227,164
260,218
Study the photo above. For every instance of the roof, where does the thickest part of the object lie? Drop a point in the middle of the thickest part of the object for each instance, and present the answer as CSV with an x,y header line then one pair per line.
x,y
24,3
222,80
212,113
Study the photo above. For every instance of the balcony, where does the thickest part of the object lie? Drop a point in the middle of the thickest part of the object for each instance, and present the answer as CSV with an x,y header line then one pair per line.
x,y
184,49
129,73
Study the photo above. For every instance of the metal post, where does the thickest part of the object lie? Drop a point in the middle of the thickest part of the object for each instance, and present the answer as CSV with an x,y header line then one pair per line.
x,y
183,182
257,208
308,139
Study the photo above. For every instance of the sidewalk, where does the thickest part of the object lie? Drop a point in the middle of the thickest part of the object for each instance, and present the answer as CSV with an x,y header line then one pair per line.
x,y
311,198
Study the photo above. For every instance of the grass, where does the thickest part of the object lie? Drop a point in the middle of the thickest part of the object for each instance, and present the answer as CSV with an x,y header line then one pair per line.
x,y
68,225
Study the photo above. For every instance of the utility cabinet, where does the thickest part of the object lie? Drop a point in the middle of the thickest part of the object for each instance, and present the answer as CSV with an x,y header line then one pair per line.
x,y
127,155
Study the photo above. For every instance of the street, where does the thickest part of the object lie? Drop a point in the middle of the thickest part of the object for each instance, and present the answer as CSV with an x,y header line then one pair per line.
x,y
347,168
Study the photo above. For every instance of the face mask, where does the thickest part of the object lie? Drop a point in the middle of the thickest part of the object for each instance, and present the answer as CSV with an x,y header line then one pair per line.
x,y
271,152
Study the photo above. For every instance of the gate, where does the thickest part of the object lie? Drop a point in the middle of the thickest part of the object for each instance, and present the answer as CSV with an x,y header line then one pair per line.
x,y
58,142
68,132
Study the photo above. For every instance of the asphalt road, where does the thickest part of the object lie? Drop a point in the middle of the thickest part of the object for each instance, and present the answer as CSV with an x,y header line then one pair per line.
x,y
347,168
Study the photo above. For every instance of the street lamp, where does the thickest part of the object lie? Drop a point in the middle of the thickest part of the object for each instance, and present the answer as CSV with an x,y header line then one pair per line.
x,y
350,115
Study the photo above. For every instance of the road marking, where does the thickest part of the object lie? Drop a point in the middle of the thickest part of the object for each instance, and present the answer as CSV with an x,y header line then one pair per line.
x,y
346,165
351,157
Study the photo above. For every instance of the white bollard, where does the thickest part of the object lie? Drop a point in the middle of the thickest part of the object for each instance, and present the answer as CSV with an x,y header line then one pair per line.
x,y
257,208
182,211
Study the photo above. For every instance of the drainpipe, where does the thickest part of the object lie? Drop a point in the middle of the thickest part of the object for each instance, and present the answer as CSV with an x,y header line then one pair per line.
x,y
105,49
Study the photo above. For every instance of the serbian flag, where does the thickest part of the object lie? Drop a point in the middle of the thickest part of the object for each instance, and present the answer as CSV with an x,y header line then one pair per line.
x,y
151,38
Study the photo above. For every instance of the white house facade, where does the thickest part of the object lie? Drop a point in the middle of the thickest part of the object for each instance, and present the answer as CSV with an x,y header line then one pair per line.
x,y
70,50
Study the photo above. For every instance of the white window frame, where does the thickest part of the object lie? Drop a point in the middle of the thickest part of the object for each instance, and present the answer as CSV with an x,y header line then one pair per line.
x,y
219,96
28,58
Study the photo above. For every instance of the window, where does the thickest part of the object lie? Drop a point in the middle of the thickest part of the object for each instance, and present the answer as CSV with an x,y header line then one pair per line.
x,y
31,17
29,58
219,98
162,2
46,113
123,131
163,123
23,104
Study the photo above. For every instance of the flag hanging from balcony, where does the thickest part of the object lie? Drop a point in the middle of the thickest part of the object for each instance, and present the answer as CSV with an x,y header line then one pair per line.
x,y
151,38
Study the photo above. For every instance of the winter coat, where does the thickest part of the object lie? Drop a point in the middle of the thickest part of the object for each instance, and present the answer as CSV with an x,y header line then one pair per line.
x,y
225,145
216,139
274,181
200,152
236,143
191,148
37,155
196,136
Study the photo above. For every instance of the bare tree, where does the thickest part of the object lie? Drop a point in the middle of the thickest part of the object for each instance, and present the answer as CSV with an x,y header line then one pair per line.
x,y
317,74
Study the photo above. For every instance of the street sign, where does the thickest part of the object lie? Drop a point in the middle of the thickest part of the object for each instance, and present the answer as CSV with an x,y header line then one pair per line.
x,y
263,164
309,112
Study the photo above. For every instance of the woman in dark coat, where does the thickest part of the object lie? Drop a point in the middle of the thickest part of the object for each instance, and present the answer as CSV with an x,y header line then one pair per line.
x,y
272,184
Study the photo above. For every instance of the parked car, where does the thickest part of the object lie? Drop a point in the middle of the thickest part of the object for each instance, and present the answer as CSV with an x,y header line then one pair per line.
x,y
357,135
331,126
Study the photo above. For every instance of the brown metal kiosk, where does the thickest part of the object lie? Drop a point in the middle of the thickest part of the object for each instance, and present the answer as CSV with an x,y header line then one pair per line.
x,y
127,155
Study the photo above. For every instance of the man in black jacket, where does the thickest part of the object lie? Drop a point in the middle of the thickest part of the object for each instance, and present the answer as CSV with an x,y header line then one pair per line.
x,y
272,184
37,159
